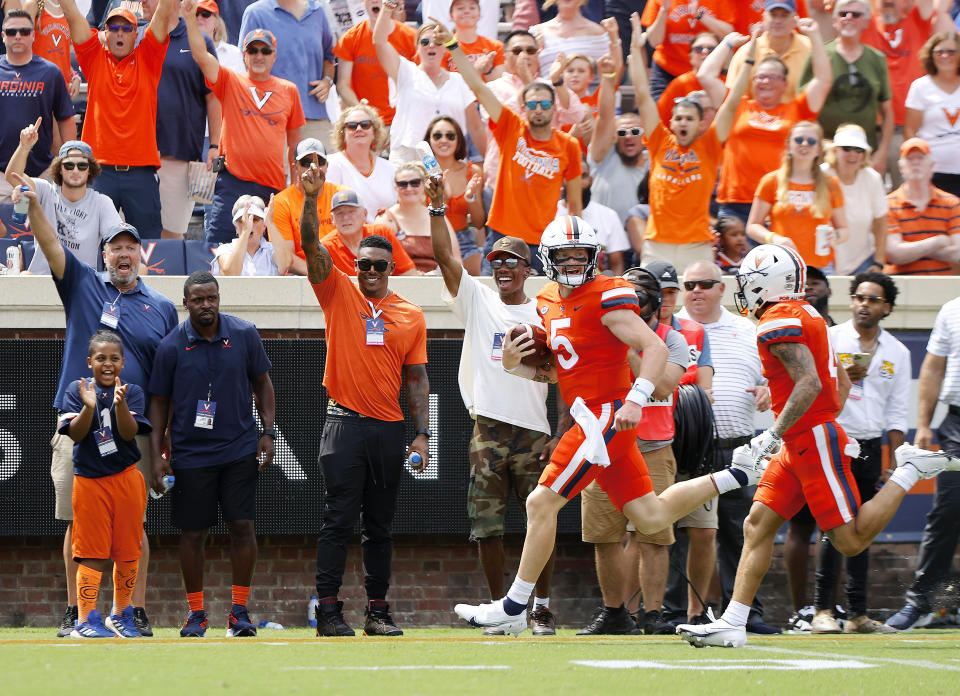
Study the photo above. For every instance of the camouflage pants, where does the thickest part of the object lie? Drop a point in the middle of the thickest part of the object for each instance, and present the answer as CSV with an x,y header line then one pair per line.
x,y
502,456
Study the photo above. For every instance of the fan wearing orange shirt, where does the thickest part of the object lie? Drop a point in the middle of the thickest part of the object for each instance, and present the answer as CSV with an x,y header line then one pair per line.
x,y
592,322
703,45
486,54
53,40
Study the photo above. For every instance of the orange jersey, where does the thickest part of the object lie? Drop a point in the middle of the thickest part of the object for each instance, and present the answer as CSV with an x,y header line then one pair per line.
x,y
288,206
796,321
591,361
345,260
941,216
369,79
681,182
476,49
53,42
256,117
673,55
121,120
795,220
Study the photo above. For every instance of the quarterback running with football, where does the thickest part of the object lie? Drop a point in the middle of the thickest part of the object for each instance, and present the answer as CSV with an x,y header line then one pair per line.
x,y
809,453
592,322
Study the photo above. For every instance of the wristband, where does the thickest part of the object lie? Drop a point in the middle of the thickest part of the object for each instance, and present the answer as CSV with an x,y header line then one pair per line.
x,y
470,199
610,75
452,44
327,78
640,391
437,212
270,432
213,147
558,83
768,238
749,61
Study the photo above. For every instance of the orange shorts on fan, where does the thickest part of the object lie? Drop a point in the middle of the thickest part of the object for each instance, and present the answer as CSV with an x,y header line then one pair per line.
x,y
812,468
108,515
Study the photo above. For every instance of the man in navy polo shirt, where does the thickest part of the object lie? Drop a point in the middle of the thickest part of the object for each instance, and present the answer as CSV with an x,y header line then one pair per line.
x,y
206,370
118,300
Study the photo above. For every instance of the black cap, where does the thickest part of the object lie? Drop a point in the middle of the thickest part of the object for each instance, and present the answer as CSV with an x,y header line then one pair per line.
x,y
816,273
665,273
121,228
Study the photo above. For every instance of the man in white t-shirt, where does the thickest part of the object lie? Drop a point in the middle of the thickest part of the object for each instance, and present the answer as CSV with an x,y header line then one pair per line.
x,y
82,216
511,437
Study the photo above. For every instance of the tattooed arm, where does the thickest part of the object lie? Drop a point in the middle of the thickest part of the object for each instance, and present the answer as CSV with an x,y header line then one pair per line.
x,y
798,362
418,401
319,263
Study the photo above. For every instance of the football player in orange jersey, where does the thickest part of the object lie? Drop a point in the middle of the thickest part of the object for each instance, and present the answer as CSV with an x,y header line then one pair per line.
x,y
592,322
809,453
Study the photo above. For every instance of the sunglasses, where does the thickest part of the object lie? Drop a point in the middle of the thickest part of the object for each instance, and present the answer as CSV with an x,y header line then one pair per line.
x,y
703,49
689,285
623,132
942,52
69,166
13,31
844,14
544,104
206,14
872,299
851,148
353,125
438,136
409,183
253,50
809,140
529,50
125,28
426,42
308,160
366,264
509,263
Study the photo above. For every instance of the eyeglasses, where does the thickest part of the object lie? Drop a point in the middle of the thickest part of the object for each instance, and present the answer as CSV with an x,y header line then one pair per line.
x,y
307,160
703,49
852,148
409,183
125,28
809,140
82,166
872,299
623,132
843,14
437,136
426,42
706,284
253,50
353,125
544,104
529,50
366,264
940,52
13,31
206,14
509,263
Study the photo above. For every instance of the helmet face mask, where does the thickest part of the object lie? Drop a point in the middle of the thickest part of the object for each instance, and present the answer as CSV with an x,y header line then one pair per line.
x,y
569,232
769,273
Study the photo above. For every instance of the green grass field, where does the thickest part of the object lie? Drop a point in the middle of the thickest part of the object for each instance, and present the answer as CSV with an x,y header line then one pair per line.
x,y
448,661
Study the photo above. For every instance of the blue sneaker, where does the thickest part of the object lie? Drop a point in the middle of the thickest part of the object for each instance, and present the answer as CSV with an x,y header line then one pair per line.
x,y
909,617
195,625
239,624
122,624
92,628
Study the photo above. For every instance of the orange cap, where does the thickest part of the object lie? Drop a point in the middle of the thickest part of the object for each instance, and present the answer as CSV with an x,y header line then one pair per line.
x,y
209,6
914,144
122,12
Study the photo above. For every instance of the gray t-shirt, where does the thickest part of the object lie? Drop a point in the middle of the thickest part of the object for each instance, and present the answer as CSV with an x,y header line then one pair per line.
x,y
615,184
80,226
679,355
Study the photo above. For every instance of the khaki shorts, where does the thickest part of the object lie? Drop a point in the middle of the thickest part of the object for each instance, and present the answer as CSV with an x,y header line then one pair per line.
x,y
176,208
502,456
61,471
604,524
704,517
678,255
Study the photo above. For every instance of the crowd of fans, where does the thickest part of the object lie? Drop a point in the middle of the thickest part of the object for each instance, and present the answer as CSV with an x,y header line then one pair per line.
x,y
826,126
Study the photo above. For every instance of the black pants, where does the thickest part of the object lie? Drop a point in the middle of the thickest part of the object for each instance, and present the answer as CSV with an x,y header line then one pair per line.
x,y
942,531
361,460
866,470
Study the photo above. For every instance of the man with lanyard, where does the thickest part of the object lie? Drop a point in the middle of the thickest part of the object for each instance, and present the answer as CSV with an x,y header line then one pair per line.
x,y
375,340
116,299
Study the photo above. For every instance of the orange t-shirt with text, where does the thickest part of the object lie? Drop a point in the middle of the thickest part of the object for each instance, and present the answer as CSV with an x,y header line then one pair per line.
x,y
288,207
345,260
673,55
121,120
796,220
53,42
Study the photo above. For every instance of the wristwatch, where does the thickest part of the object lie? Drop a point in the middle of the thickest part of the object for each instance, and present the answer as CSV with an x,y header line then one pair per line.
x,y
272,432
425,431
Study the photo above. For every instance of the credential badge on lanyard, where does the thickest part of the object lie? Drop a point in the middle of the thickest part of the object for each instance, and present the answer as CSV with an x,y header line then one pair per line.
x,y
374,326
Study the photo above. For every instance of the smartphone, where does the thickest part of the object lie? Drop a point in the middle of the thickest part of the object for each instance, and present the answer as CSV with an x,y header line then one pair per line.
x,y
861,359
217,164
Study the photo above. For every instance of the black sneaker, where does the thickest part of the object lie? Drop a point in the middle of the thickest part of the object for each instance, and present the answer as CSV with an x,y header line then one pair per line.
x,y
141,621
68,622
609,622
330,619
654,624
378,620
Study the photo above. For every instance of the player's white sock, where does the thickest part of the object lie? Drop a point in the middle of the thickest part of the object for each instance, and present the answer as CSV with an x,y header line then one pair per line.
x,y
541,602
519,593
736,614
725,481
904,476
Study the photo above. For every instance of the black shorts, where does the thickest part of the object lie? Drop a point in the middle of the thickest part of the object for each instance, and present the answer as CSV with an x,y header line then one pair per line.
x,y
199,493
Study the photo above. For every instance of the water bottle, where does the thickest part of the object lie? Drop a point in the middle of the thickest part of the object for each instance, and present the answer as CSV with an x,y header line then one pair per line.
x,y
312,606
167,482
429,161
21,207
415,460
271,624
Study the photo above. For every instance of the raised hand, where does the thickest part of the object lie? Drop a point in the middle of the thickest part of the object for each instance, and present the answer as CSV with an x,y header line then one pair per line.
x,y
441,34
808,27
638,37
188,8
434,187
312,180
88,394
484,62
119,392
556,70
30,134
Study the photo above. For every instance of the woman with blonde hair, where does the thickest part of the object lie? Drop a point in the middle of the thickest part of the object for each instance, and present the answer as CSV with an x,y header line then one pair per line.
x,y
212,24
798,198
864,201
359,135
410,219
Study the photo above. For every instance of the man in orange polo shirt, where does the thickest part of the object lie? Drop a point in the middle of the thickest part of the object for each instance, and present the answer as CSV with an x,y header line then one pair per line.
x,y
375,340
121,120
924,222
262,116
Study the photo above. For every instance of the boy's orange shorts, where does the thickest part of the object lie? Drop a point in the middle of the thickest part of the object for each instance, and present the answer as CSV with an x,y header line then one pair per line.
x,y
108,515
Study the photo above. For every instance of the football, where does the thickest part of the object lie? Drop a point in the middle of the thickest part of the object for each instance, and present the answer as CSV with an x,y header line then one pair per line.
x,y
541,354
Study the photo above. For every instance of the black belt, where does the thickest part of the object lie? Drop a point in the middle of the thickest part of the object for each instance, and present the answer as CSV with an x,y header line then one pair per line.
x,y
125,167
732,442
954,410
335,409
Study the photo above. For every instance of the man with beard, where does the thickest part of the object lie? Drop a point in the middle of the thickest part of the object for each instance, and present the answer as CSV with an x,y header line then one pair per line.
x,y
118,300
82,216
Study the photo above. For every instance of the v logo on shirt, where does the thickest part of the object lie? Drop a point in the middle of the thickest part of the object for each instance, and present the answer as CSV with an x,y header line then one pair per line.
x,y
57,38
257,99
952,117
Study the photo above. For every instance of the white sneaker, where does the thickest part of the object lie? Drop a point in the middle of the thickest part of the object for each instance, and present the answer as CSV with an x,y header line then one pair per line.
x,y
744,460
928,464
492,616
719,633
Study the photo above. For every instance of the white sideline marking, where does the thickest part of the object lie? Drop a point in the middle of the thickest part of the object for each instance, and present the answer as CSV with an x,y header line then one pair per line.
x,y
380,668
724,665
924,664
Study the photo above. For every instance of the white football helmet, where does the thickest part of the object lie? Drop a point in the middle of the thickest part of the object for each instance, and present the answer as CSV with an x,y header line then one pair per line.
x,y
769,273
569,232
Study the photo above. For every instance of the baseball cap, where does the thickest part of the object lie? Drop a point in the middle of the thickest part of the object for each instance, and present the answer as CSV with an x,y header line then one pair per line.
x,y
75,145
121,228
816,274
121,12
262,35
510,245
311,146
345,197
665,273
209,6
914,144
851,136
789,5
